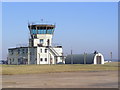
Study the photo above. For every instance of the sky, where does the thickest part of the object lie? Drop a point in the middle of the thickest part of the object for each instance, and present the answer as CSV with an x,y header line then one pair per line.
x,y
80,26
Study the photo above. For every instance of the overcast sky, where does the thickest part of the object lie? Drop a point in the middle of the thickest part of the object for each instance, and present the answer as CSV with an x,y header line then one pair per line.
x,y
80,26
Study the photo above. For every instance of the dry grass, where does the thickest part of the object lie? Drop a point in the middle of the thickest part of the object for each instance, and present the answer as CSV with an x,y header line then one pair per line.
x,y
34,69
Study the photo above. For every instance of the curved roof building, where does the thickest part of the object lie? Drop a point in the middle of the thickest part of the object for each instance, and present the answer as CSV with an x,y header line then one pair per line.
x,y
93,58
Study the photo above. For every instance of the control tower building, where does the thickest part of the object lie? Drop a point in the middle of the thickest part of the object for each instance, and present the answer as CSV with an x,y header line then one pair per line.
x,y
41,39
40,49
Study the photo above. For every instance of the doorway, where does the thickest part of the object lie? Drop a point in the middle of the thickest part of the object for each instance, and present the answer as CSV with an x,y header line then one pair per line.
x,y
98,60
48,42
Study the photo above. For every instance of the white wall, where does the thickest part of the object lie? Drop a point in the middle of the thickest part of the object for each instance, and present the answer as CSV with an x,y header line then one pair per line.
x,y
48,55
45,37
42,55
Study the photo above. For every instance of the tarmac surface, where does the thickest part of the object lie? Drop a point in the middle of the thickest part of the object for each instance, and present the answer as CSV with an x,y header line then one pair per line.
x,y
81,79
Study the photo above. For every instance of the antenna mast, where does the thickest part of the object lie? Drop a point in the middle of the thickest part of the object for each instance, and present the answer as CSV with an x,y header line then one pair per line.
x,y
111,56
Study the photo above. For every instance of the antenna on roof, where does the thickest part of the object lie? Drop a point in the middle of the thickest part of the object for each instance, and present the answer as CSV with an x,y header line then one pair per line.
x,y
71,57
85,55
71,51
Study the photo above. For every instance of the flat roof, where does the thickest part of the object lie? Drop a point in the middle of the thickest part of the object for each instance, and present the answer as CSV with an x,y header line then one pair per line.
x,y
42,25
19,48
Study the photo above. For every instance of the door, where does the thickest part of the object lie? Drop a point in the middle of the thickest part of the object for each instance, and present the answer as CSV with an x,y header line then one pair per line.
x,y
48,42
98,59
50,60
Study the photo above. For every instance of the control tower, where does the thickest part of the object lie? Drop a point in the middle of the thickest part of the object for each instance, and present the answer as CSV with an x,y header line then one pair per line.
x,y
40,45
41,34
40,49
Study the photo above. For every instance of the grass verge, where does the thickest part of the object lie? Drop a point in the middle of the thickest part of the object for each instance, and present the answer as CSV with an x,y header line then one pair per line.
x,y
35,69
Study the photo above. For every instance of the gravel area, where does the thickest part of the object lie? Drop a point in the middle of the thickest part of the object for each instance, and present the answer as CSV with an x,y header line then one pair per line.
x,y
81,79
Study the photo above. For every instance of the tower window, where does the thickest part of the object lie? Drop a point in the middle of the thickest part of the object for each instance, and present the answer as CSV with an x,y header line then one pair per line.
x,y
45,50
34,31
45,59
44,32
50,31
41,59
41,50
39,31
41,40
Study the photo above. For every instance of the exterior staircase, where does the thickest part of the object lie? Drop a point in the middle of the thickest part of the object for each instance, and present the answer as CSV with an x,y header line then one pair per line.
x,y
53,51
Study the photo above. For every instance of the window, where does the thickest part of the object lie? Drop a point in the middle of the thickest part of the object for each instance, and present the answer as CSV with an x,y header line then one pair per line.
x,y
41,59
41,50
18,60
39,32
41,41
11,51
45,50
44,31
49,31
18,51
35,36
34,31
13,59
22,50
26,50
46,59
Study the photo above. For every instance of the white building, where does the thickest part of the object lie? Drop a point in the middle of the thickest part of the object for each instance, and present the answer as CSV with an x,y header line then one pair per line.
x,y
40,49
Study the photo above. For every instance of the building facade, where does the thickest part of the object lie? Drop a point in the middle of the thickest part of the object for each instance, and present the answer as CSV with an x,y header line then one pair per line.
x,y
40,49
